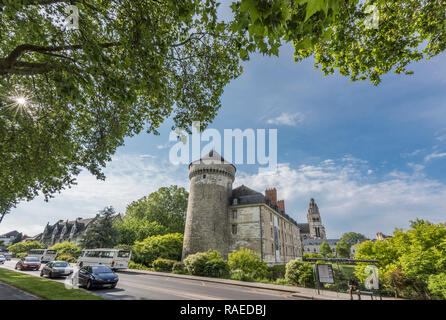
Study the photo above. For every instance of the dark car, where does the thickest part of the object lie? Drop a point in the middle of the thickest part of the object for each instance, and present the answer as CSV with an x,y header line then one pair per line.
x,y
97,276
55,269
28,263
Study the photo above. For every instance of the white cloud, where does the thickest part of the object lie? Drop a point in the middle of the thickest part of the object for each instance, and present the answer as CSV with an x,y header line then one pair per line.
x,y
129,177
434,155
287,119
351,200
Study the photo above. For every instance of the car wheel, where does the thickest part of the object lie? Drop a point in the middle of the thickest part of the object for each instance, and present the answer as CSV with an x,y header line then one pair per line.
x,y
15,267
81,264
88,285
41,273
113,286
51,275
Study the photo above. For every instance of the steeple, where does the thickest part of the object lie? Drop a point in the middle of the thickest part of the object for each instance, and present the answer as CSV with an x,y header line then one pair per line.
x,y
317,229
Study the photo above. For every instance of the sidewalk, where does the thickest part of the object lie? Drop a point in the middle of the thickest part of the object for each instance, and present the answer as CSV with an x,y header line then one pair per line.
x,y
8,292
300,292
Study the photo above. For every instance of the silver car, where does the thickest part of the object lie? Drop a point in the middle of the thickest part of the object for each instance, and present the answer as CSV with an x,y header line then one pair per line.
x,y
55,269
2,259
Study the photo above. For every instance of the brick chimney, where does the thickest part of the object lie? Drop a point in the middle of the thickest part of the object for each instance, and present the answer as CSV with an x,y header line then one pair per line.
x,y
281,205
271,195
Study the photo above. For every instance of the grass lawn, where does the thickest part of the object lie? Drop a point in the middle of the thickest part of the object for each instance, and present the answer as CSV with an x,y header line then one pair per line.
x,y
44,288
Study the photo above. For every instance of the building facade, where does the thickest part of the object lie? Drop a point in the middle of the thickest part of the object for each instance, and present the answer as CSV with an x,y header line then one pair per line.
x,y
226,219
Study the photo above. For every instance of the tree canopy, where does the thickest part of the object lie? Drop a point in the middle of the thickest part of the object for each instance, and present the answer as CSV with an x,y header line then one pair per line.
x,y
353,237
101,232
411,261
325,249
161,212
69,97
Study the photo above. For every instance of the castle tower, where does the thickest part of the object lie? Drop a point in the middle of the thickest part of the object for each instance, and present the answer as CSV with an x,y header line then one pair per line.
x,y
207,220
317,230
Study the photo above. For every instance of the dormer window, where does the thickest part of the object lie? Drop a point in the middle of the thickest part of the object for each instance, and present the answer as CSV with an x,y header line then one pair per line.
x,y
235,201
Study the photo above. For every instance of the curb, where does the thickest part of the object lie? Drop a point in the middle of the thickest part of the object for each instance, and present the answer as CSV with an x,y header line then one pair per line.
x,y
293,292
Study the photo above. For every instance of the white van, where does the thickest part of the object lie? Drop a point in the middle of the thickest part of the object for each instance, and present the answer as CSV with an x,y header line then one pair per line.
x,y
44,255
113,258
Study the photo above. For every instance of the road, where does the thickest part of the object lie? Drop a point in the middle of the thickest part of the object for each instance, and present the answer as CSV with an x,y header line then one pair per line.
x,y
138,286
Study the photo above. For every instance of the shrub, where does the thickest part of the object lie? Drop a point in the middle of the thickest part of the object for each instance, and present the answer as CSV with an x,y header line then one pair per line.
x,y
24,247
163,265
21,255
66,250
167,246
179,268
209,264
300,273
437,285
65,257
248,264
276,272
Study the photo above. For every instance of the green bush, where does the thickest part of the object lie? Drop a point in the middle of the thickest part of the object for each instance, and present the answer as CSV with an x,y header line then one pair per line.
x,y
276,272
208,264
179,268
300,273
437,285
65,257
138,266
21,255
167,246
247,263
24,247
163,265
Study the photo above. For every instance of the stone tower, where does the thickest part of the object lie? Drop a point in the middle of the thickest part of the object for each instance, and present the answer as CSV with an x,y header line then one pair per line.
x,y
317,230
207,220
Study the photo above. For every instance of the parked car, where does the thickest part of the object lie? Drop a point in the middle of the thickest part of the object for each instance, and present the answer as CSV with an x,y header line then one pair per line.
x,y
55,269
97,276
2,259
28,263
7,255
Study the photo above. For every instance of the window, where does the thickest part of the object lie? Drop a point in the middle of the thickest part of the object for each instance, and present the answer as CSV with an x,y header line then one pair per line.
x,y
235,201
234,229
271,216
204,176
272,248
234,214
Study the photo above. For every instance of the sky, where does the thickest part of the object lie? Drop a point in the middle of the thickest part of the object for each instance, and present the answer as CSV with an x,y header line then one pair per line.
x,y
372,157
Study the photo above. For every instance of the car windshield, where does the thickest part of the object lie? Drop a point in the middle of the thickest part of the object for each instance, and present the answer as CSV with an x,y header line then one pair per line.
x,y
31,259
101,269
61,264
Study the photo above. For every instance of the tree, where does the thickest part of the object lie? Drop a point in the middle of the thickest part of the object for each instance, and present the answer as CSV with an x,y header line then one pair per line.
x,y
325,249
343,249
69,97
167,207
24,247
168,246
101,233
353,237
133,229
408,259
360,39
66,249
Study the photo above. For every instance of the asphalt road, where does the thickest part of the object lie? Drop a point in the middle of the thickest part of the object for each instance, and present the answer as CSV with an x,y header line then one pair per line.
x,y
135,286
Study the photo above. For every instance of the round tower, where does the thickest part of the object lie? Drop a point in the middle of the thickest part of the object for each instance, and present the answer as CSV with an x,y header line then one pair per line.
x,y
207,220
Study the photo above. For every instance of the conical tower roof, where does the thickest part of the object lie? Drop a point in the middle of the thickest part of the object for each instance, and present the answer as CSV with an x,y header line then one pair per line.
x,y
213,157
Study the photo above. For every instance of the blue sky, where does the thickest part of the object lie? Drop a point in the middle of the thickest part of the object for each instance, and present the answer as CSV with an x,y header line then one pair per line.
x,y
372,157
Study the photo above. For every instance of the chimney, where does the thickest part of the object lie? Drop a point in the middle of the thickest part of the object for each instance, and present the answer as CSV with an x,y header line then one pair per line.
x,y
281,205
271,195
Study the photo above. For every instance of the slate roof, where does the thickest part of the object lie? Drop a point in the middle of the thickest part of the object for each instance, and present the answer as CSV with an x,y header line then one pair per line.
x,y
213,157
304,227
319,241
14,234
